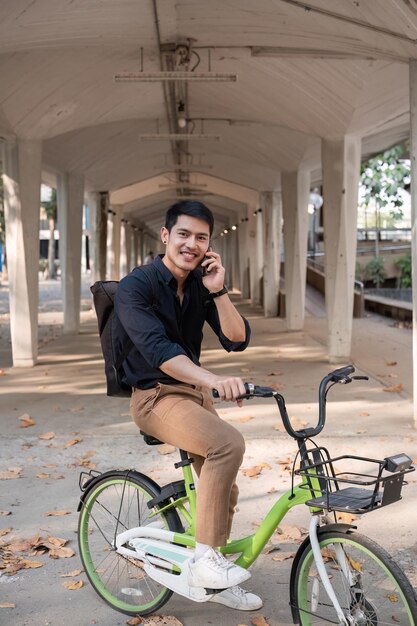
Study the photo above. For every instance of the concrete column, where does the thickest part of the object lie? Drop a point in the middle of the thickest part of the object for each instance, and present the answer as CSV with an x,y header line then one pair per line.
x,y
243,243
114,248
272,211
413,191
125,248
341,170
91,202
295,192
141,247
100,248
70,195
135,247
22,160
255,295
235,261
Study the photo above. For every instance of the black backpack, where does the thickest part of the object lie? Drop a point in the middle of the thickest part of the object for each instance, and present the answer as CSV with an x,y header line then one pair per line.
x,y
115,342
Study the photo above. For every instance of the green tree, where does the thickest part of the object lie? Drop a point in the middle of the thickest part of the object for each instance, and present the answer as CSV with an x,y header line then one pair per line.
x,y
375,271
382,179
404,264
51,209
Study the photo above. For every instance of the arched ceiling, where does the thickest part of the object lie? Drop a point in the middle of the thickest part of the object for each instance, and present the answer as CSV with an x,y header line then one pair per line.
x,y
306,70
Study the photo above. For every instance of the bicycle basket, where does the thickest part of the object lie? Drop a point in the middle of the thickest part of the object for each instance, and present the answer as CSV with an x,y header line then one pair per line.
x,y
350,483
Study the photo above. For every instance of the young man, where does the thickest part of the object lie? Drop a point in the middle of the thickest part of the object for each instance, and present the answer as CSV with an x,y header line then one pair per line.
x,y
172,393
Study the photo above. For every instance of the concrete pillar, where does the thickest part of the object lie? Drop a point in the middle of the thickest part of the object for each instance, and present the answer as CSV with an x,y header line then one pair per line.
x,y
235,261
341,171
22,181
135,247
141,247
243,243
100,247
413,191
255,253
272,211
70,196
295,193
114,248
125,248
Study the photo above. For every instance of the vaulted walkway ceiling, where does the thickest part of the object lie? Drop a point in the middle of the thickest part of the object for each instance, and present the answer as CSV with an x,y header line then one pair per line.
x,y
305,70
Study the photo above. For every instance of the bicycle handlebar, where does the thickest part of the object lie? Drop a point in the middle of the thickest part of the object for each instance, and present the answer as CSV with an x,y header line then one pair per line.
x,y
341,375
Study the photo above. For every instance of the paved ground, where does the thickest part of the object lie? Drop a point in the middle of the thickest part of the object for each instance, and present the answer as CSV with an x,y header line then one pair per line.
x,y
64,395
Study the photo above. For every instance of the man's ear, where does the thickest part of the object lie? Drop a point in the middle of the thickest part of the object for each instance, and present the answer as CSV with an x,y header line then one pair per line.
x,y
164,234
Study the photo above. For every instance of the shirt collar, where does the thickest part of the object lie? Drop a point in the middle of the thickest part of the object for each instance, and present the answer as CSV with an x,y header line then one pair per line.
x,y
167,275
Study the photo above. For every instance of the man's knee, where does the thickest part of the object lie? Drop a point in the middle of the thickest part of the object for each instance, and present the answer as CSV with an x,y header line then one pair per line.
x,y
236,447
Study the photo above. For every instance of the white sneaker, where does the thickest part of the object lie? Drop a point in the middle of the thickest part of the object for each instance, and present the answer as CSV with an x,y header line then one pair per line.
x,y
238,598
214,571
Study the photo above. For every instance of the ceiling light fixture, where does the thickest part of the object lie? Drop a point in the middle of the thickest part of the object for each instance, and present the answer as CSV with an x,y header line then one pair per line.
x,y
154,77
179,137
181,119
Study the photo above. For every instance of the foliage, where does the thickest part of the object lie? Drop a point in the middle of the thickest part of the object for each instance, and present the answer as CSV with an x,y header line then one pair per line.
x,y
360,271
382,179
404,265
375,271
51,206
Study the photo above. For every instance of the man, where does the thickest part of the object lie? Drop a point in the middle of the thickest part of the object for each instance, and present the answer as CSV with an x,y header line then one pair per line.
x,y
172,393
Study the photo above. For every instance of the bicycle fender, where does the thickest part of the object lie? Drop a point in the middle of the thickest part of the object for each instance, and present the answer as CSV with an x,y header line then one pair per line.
x,y
94,480
341,528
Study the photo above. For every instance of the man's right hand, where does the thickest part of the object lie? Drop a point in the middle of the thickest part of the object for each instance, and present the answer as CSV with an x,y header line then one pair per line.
x,y
229,388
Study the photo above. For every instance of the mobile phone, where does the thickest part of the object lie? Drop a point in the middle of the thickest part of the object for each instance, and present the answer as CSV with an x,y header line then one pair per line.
x,y
204,269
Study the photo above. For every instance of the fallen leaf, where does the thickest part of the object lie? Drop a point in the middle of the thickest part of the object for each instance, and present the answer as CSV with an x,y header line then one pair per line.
x,y
57,541
26,421
364,414
245,418
75,572
49,465
72,442
4,513
28,564
11,472
293,533
259,620
272,490
391,363
3,373
5,531
135,621
159,620
392,597
43,475
73,584
61,553
252,472
166,448
57,513
394,388
283,556
47,436
7,605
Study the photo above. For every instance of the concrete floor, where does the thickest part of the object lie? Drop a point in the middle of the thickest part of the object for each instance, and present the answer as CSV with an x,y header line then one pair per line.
x,y
64,394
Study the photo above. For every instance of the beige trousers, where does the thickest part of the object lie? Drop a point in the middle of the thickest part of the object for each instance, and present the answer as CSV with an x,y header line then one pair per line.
x,y
185,417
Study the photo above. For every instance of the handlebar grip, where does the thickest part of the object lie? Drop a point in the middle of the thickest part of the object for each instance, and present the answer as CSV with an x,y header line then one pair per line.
x,y
251,390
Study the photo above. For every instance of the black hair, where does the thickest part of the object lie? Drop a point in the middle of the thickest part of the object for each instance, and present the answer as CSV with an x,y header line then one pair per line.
x,y
193,208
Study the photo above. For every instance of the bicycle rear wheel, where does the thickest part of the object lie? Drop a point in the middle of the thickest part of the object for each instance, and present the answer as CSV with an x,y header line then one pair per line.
x,y
112,505
371,588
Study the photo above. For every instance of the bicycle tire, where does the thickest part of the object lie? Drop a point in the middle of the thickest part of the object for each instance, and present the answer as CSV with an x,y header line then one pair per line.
x,y
382,594
114,503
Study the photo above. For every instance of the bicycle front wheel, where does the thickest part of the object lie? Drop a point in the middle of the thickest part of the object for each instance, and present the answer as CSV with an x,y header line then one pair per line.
x,y
112,505
371,588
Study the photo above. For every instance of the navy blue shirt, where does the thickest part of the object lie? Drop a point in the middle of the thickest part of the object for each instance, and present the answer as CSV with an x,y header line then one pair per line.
x,y
166,328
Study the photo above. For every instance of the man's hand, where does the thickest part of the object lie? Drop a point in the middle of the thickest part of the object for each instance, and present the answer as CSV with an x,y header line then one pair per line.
x,y
213,280
229,388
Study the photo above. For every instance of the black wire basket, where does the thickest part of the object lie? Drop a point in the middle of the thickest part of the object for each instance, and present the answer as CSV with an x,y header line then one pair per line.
x,y
355,491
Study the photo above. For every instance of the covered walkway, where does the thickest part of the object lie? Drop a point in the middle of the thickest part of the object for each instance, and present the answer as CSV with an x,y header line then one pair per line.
x,y
128,107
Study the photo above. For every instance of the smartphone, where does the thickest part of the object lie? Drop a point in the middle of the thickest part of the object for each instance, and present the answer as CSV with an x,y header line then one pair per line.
x,y
204,269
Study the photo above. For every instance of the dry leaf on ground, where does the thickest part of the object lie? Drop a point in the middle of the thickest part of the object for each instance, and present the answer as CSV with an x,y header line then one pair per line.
x,y
245,418
160,620
394,388
252,472
75,572
272,490
11,472
283,556
135,621
43,475
5,531
292,533
73,584
391,363
26,421
7,605
166,448
47,436
259,620
57,513
72,442
61,553
4,513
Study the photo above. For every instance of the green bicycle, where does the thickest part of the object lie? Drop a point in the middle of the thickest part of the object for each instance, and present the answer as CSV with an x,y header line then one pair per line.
x,y
136,538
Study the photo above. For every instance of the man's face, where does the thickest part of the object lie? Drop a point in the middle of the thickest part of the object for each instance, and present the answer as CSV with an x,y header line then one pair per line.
x,y
186,244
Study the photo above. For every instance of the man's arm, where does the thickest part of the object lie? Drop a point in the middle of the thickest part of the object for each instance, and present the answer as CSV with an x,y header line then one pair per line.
x,y
182,368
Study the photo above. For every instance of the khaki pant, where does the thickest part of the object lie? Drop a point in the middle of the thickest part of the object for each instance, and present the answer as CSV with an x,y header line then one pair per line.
x,y
185,417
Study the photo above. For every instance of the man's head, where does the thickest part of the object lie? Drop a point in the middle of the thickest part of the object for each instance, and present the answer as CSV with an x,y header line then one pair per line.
x,y
192,208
